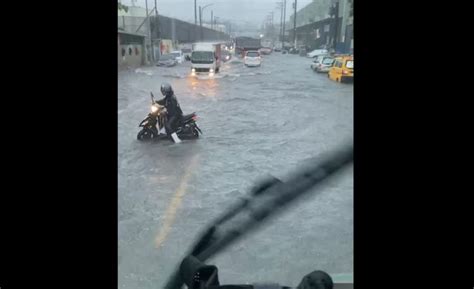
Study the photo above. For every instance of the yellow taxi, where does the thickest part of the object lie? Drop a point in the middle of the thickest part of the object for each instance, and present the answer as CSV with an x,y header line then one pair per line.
x,y
342,69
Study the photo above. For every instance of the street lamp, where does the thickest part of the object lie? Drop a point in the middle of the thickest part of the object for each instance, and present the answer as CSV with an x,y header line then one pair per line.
x,y
201,11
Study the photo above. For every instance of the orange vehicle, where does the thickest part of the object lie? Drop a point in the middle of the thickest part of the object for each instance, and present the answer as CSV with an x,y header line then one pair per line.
x,y
342,69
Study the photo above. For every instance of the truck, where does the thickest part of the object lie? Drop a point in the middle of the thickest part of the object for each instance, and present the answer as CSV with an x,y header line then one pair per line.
x,y
243,44
205,58
267,43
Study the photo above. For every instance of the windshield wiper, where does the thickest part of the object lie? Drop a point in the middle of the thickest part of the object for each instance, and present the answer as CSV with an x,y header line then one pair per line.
x,y
266,200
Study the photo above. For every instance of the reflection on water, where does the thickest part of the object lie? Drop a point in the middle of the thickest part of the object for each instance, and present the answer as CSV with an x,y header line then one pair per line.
x,y
203,87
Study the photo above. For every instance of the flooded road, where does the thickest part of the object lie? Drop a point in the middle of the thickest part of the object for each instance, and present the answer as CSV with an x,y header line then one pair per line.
x,y
255,122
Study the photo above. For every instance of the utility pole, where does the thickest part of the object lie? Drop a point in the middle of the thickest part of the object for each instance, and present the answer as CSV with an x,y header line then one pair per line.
x,y
157,27
294,24
281,20
149,34
284,20
212,19
272,28
201,10
195,13
200,20
336,24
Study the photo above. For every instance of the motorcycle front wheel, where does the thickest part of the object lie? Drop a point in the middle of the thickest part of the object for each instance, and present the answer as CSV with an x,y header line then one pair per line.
x,y
145,134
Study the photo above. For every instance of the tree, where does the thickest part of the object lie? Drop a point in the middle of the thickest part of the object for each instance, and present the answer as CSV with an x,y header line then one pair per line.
x,y
122,7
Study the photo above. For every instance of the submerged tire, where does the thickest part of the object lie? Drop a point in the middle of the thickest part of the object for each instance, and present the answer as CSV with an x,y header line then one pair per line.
x,y
195,133
145,134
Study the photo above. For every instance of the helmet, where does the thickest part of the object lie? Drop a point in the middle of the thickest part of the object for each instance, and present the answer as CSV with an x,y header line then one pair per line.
x,y
166,89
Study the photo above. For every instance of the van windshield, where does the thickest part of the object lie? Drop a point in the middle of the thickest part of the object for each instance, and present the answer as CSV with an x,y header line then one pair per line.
x,y
202,57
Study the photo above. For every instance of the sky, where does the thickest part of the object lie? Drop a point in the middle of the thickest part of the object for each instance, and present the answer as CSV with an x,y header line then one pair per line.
x,y
239,12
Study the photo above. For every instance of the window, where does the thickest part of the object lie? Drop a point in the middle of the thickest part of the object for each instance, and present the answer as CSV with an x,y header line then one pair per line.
x,y
328,61
252,54
326,28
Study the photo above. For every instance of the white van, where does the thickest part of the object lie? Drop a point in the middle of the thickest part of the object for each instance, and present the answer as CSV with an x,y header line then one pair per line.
x,y
317,52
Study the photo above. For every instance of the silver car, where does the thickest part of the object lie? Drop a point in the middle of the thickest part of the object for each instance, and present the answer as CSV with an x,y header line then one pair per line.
x,y
167,60
323,64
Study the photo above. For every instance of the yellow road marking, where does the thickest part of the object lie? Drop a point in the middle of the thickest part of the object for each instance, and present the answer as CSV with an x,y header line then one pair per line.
x,y
174,205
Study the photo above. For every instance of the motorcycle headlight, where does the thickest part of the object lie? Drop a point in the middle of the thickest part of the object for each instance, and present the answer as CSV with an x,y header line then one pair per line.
x,y
211,70
154,108
193,70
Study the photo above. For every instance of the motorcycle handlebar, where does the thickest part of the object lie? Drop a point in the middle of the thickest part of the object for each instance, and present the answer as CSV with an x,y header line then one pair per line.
x,y
152,98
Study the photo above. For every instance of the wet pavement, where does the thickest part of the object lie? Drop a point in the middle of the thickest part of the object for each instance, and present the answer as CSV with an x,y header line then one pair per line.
x,y
256,122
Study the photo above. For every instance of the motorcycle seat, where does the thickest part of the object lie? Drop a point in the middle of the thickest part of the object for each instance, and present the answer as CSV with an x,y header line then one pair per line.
x,y
188,116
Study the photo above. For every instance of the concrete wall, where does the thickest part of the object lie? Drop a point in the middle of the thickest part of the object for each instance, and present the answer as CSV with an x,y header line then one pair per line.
x,y
169,28
130,50
130,55
184,32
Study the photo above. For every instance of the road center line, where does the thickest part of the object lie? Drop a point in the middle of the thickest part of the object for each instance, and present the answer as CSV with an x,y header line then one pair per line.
x,y
175,203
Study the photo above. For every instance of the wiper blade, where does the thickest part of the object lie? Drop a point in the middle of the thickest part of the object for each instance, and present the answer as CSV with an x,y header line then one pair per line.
x,y
267,200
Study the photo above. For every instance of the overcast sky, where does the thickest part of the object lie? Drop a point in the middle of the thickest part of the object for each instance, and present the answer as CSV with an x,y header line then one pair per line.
x,y
240,11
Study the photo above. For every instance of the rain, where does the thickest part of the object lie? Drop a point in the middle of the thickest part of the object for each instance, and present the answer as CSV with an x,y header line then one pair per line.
x,y
266,120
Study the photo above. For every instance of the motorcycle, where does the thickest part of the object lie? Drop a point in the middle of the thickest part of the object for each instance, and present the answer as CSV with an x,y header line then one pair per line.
x,y
153,126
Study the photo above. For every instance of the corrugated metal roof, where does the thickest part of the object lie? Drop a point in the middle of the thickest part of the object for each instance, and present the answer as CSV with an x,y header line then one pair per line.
x,y
130,33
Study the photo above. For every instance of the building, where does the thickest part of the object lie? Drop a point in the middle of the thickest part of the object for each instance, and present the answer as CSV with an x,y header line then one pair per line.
x,y
131,49
162,34
318,11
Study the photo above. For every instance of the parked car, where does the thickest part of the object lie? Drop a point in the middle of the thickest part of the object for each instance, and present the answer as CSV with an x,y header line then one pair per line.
x,y
325,65
178,56
265,50
317,52
252,58
276,49
342,69
317,60
187,53
167,60
293,50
